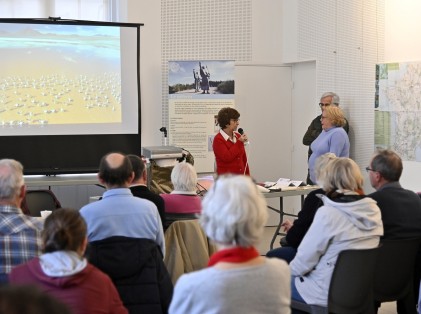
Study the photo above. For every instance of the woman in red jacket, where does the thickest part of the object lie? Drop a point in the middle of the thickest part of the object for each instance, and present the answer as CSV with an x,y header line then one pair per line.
x,y
64,273
228,145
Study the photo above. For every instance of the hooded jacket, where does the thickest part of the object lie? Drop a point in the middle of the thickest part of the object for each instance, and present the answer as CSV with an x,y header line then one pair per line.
x,y
348,222
78,284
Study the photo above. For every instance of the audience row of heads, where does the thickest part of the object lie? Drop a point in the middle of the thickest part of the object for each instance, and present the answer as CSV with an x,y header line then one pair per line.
x,y
344,174
117,170
234,212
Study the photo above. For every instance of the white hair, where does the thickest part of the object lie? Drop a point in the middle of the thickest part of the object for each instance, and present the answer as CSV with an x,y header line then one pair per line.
x,y
342,174
335,97
11,178
320,166
184,177
234,211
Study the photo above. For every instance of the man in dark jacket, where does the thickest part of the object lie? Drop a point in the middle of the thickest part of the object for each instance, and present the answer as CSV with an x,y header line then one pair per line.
x,y
139,186
400,208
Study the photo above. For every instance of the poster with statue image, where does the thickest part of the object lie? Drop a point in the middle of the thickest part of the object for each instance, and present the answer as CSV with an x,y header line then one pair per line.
x,y
398,108
197,90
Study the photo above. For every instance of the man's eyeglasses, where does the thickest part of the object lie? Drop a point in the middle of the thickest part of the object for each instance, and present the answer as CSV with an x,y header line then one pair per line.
x,y
323,105
369,169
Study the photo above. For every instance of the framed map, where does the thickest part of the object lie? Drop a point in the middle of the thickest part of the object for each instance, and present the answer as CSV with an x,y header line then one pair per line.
x,y
397,115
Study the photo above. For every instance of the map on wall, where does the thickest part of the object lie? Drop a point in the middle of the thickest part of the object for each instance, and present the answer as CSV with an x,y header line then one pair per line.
x,y
397,116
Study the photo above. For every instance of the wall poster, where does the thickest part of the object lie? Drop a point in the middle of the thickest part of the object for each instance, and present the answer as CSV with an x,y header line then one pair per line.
x,y
197,91
398,109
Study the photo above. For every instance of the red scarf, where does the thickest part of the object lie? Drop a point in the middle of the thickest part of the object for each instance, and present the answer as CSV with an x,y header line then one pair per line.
x,y
237,254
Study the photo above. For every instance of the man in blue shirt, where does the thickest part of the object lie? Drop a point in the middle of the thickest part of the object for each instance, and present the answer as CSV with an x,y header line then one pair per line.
x,y
119,213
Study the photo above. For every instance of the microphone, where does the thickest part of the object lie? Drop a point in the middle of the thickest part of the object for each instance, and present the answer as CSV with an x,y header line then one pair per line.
x,y
241,131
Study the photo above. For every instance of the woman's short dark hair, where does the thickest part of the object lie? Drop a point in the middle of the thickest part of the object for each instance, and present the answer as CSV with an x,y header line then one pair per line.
x,y
225,115
138,166
64,229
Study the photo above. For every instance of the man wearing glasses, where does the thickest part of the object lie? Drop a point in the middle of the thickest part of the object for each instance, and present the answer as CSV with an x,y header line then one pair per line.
x,y
400,208
315,127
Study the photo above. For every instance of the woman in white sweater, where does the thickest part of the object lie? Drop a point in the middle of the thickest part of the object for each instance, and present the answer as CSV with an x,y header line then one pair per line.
x,y
347,220
238,279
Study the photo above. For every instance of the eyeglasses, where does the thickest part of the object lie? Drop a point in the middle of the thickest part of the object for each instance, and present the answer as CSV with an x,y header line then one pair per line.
x,y
323,105
369,169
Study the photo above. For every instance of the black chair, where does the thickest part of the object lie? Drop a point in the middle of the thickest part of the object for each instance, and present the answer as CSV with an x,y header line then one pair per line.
x,y
351,286
394,274
36,201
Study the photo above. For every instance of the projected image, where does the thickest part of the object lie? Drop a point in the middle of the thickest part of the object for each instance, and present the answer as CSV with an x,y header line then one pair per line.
x,y
59,75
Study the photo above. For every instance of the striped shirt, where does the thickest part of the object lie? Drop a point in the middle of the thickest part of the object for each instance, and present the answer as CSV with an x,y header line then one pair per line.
x,y
20,237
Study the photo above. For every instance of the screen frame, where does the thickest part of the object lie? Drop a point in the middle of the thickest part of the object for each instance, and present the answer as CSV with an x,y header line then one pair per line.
x,y
71,154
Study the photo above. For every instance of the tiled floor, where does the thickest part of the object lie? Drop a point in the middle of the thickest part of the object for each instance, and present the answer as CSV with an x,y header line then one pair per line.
x,y
386,308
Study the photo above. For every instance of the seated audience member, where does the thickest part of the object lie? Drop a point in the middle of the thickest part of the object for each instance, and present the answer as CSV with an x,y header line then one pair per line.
x,y
237,280
64,273
29,300
183,200
119,213
400,208
297,230
139,188
20,235
347,220
333,138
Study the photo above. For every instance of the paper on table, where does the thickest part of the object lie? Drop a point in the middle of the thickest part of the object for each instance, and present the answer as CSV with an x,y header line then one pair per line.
x,y
283,184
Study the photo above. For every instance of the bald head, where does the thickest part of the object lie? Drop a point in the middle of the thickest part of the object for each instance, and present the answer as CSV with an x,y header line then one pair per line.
x,y
115,170
114,160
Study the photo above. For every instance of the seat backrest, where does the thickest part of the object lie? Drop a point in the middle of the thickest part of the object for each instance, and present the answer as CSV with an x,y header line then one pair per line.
x,y
171,217
187,248
351,286
395,269
36,201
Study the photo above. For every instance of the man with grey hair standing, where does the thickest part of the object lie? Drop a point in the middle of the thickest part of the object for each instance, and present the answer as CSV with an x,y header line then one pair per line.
x,y
315,127
20,235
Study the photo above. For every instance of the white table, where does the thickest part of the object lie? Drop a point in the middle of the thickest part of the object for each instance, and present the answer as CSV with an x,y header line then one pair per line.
x,y
298,191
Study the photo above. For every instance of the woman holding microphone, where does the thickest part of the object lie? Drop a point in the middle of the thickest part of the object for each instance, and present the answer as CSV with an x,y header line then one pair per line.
x,y
228,144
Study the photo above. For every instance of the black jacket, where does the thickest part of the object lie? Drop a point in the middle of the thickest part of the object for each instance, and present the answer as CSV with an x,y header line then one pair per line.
x,y
143,192
137,270
305,218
